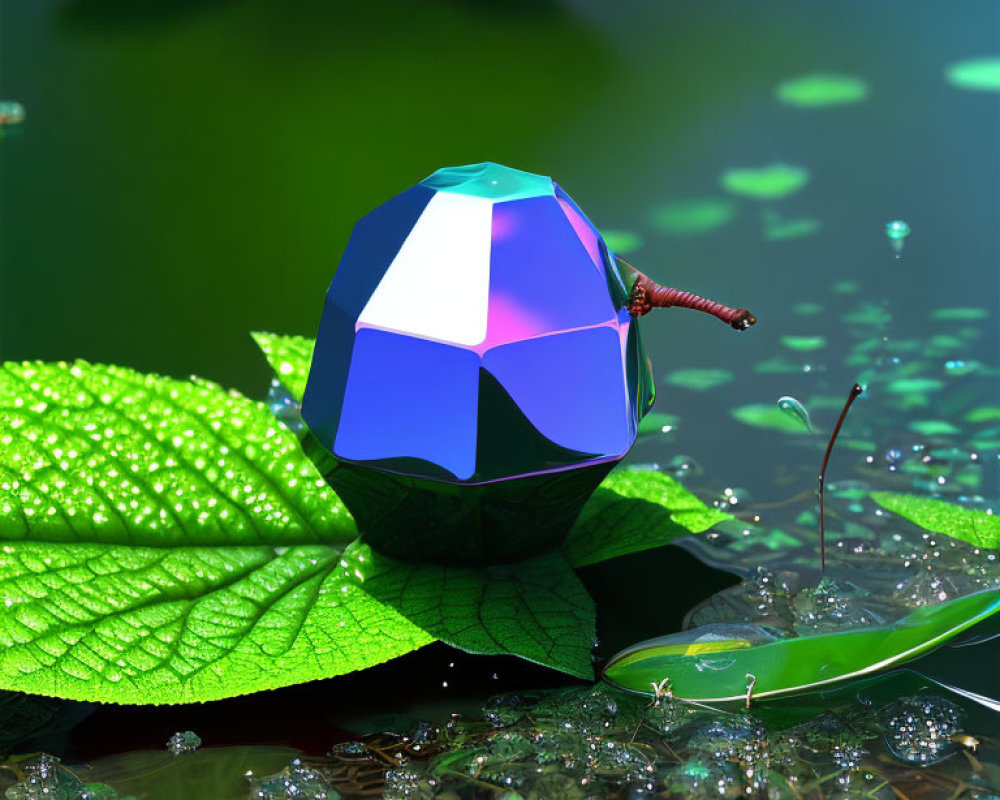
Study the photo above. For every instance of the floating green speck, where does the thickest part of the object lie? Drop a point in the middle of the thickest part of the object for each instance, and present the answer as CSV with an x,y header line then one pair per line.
x,y
846,287
915,386
777,229
820,90
777,366
622,242
983,414
942,341
692,217
759,415
803,343
933,427
942,314
807,309
765,183
868,314
699,380
979,75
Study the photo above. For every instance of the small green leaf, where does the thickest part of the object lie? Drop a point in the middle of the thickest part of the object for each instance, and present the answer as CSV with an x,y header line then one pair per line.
x,y
166,541
536,609
289,357
635,510
975,527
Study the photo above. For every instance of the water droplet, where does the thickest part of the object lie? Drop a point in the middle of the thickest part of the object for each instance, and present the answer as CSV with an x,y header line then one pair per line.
x,y
794,408
897,231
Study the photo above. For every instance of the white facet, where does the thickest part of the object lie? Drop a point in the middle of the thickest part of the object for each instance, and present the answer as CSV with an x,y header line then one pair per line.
x,y
438,285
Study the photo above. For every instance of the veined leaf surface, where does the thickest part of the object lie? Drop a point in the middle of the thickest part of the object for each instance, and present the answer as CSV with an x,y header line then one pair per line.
x,y
536,609
164,541
635,510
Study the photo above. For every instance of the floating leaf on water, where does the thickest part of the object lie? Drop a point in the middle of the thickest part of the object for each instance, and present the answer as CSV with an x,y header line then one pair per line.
x,y
788,665
914,386
765,183
793,407
807,309
933,427
656,423
779,229
692,217
821,90
803,343
937,516
622,242
699,380
978,74
759,415
943,314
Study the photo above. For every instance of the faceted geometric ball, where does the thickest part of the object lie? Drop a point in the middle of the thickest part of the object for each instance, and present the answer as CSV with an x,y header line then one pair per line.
x,y
475,332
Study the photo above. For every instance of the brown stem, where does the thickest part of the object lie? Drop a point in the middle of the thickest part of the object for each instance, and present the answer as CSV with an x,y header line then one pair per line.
x,y
851,397
647,294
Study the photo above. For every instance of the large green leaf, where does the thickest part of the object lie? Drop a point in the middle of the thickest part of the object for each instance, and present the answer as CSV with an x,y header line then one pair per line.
x,y
635,510
289,357
975,527
166,541
536,609
714,663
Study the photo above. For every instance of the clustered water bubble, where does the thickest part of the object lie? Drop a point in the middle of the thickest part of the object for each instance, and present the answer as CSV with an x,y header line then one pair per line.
x,y
294,782
832,605
45,778
183,742
921,729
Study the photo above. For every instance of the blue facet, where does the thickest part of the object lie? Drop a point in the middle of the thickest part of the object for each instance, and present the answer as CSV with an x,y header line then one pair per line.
x,y
558,381
571,387
542,279
409,398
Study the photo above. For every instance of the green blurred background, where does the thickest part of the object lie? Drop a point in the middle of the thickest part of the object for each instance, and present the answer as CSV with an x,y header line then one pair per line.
x,y
190,171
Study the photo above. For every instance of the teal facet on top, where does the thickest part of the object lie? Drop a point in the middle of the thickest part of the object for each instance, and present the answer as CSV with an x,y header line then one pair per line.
x,y
493,181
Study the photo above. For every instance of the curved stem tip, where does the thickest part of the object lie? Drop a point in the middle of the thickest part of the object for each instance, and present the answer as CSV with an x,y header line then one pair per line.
x,y
647,294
